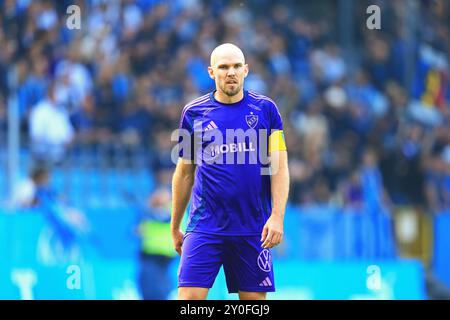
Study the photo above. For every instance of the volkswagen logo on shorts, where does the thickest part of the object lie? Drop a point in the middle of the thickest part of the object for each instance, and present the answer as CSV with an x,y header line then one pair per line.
x,y
265,260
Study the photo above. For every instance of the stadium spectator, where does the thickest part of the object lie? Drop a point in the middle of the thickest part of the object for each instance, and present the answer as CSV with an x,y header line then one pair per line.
x,y
25,194
67,224
50,129
438,181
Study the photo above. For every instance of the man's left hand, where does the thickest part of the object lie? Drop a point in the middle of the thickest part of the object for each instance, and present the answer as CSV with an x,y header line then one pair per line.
x,y
272,233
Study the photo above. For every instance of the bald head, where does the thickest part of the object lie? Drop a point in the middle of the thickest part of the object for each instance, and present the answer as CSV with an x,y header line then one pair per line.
x,y
227,51
228,70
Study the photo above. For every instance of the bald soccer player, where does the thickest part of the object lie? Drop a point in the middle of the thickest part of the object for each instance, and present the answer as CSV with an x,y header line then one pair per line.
x,y
237,211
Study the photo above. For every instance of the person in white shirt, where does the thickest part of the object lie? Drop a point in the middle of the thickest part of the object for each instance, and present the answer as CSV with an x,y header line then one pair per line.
x,y
50,129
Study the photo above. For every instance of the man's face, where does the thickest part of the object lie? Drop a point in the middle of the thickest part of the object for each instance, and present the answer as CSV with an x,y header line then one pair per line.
x,y
229,72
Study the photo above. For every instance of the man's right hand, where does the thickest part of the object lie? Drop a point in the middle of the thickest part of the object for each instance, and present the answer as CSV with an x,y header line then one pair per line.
x,y
177,237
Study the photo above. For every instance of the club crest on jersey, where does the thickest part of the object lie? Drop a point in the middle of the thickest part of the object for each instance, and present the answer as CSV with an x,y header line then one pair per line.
x,y
252,120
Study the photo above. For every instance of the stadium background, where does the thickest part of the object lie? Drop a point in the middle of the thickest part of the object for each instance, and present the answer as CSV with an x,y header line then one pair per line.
x,y
366,116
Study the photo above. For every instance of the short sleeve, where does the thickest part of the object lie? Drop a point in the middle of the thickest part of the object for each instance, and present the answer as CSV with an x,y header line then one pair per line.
x,y
276,138
276,123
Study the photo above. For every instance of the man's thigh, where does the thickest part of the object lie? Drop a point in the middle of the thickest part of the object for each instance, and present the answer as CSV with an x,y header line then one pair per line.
x,y
200,262
248,267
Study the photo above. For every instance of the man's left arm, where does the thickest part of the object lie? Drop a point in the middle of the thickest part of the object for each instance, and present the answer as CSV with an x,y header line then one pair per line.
x,y
272,233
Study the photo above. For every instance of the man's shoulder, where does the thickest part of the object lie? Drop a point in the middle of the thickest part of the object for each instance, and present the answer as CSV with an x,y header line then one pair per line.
x,y
197,103
261,99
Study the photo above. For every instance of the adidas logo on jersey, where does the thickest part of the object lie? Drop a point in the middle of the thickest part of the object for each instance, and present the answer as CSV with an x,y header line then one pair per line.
x,y
266,283
211,126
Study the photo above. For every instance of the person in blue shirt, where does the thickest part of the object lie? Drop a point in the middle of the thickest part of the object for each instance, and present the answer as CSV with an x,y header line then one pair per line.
x,y
236,171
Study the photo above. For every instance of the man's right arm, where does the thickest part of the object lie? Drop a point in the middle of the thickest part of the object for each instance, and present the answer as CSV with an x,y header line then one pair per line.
x,y
182,182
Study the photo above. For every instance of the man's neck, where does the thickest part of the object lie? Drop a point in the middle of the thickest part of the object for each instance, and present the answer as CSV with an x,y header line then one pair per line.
x,y
223,98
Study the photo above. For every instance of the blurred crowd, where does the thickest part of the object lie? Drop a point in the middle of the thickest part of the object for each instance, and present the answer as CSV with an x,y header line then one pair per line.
x,y
364,123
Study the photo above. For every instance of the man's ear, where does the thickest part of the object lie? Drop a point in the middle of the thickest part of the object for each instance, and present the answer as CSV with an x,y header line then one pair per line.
x,y
246,70
211,73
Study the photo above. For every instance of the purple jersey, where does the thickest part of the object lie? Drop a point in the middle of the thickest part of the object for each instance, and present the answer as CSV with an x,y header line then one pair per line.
x,y
230,197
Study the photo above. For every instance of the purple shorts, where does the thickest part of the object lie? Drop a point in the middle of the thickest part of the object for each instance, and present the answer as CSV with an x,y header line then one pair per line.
x,y
247,266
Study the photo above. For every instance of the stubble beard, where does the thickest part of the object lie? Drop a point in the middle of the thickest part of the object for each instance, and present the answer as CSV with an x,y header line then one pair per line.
x,y
231,93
